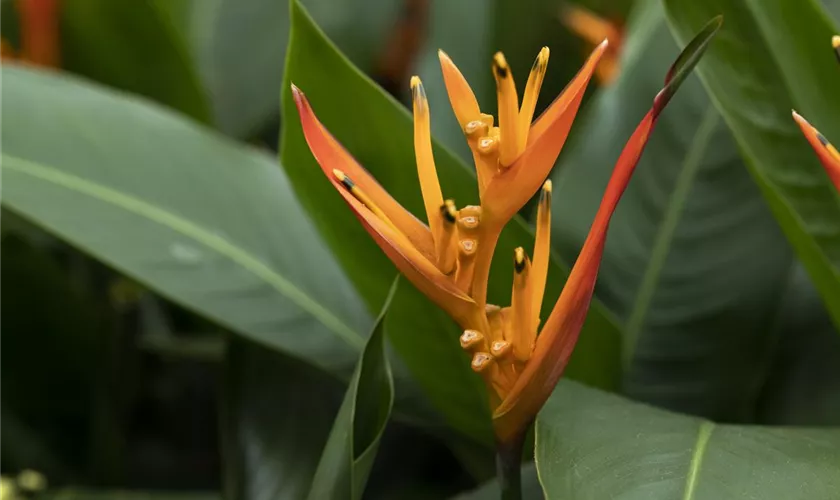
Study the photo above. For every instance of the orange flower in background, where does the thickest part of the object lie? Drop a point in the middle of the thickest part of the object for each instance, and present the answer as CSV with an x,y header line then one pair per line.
x,y
592,29
827,153
39,29
449,259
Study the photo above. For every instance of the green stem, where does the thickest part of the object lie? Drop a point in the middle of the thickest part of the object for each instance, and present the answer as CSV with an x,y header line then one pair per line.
x,y
509,466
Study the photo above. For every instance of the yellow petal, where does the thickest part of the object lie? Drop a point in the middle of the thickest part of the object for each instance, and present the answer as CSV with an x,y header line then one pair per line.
x,y
509,147
532,92
542,251
461,96
429,184
522,328
331,155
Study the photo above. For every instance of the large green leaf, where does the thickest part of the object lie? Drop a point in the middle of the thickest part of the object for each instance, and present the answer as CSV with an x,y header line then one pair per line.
x,y
593,445
132,45
755,94
695,264
204,222
276,419
378,132
241,46
351,448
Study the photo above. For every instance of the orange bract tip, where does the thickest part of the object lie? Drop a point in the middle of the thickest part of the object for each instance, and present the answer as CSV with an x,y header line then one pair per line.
x,y
826,153
461,96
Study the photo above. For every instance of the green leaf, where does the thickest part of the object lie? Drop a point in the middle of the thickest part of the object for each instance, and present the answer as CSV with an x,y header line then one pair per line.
x,y
276,418
695,265
802,386
193,216
241,45
351,448
595,445
378,133
686,60
755,94
134,46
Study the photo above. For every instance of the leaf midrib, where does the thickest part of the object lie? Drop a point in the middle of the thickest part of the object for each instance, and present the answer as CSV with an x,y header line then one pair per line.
x,y
190,230
703,435
667,230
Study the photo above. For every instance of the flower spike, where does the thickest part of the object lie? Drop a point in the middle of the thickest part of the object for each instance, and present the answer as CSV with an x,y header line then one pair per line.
x,y
449,260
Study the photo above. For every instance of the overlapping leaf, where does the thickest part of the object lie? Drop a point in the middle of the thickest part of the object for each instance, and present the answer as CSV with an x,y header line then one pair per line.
x,y
755,94
200,220
596,445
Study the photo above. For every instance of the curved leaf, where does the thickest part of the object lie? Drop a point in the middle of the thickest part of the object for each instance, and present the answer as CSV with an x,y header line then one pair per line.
x,y
592,445
695,264
214,226
272,427
755,95
351,448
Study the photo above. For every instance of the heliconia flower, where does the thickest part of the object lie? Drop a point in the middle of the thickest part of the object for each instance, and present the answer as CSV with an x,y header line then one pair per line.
x,y
39,28
519,365
592,29
827,153
449,259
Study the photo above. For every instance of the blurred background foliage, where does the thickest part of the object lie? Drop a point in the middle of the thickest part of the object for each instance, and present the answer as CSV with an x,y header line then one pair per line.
x,y
182,316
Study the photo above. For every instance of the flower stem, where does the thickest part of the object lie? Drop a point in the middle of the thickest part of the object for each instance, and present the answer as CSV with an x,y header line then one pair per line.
x,y
509,465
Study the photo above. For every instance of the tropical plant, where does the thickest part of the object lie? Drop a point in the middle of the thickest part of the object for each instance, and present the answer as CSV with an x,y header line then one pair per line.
x,y
187,317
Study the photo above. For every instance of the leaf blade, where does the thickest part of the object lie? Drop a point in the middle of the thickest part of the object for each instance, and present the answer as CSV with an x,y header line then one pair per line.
x,y
348,456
